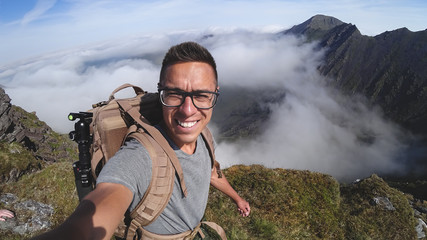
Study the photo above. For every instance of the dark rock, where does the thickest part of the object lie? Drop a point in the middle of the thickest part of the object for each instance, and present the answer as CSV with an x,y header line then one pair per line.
x,y
383,202
421,209
8,198
5,120
39,215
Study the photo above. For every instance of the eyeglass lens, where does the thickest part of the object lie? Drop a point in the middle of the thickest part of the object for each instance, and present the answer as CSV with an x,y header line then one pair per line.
x,y
200,99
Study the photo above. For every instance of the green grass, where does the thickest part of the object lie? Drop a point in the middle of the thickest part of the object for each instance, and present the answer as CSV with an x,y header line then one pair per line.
x,y
289,204
285,204
29,120
53,146
15,158
366,220
53,185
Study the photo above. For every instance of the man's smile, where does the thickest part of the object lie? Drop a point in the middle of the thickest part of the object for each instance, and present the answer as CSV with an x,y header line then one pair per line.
x,y
186,124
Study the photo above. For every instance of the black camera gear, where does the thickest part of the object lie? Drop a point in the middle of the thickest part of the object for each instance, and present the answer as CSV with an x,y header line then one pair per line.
x,y
82,168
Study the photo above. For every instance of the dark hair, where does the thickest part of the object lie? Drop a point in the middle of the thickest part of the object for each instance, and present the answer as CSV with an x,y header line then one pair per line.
x,y
187,52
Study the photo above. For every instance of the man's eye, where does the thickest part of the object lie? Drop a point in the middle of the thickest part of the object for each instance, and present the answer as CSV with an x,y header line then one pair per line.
x,y
173,95
202,96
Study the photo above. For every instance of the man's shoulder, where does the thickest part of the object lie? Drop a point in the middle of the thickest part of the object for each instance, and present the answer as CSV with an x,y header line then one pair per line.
x,y
131,152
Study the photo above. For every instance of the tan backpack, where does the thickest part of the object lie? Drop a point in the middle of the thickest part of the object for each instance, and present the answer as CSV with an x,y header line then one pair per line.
x,y
116,120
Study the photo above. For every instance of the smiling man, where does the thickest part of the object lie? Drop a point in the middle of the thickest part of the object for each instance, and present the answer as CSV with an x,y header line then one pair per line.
x,y
188,90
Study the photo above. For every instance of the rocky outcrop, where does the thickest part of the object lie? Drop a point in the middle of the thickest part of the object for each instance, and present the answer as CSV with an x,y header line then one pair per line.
x,y
5,120
30,216
35,136
13,130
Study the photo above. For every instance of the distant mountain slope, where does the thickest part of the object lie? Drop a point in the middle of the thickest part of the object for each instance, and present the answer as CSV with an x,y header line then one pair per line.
x,y
390,69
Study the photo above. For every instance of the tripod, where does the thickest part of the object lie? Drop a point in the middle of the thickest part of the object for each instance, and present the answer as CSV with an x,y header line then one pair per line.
x,y
82,168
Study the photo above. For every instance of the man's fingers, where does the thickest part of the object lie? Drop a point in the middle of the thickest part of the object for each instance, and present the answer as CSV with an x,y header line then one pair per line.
x,y
244,213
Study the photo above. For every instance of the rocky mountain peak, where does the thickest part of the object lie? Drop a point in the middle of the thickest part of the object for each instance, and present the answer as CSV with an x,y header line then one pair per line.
x,y
322,22
314,26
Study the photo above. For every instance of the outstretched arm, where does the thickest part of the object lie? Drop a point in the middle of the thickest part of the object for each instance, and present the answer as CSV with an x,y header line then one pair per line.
x,y
224,186
97,216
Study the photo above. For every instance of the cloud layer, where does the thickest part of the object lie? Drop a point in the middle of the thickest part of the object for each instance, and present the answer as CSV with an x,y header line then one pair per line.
x,y
315,128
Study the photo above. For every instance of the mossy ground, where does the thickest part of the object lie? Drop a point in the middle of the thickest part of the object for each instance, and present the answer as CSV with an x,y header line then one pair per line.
x,y
53,185
285,204
366,220
15,157
289,204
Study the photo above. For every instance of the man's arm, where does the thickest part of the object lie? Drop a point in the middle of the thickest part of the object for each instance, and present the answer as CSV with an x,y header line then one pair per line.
x,y
224,186
97,216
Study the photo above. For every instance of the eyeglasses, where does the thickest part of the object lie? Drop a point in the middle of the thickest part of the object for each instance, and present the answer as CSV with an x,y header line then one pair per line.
x,y
175,97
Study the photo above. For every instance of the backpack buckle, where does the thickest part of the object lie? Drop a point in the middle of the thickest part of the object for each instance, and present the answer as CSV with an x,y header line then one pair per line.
x,y
196,230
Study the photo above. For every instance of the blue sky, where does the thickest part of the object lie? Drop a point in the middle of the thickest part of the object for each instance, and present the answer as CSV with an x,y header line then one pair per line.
x,y
34,27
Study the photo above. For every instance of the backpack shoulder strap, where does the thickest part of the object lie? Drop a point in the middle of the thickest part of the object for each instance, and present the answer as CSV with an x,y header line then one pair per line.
x,y
160,188
208,138
158,138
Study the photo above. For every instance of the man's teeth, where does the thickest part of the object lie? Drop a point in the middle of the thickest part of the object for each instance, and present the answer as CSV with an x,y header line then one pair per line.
x,y
186,124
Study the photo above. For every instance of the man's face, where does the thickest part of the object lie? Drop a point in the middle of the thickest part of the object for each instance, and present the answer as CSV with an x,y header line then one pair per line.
x,y
186,122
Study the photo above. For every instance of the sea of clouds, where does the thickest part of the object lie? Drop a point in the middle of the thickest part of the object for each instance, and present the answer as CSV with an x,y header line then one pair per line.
x,y
315,127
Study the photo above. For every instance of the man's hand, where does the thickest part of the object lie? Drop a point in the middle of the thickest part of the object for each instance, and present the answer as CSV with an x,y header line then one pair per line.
x,y
224,186
243,208
5,214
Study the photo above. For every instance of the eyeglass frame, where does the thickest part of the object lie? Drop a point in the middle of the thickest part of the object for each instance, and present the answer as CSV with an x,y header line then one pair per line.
x,y
186,94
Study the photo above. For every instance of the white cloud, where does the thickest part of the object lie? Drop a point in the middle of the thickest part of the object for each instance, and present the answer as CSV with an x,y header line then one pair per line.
x,y
314,128
42,6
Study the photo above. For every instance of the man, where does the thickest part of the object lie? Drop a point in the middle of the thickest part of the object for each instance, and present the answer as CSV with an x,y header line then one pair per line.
x,y
188,90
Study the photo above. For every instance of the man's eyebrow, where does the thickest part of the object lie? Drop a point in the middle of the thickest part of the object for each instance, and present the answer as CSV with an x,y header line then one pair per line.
x,y
180,90
173,89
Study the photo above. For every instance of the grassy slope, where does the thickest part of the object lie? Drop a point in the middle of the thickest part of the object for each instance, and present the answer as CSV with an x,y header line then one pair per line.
x,y
15,157
53,185
286,204
289,204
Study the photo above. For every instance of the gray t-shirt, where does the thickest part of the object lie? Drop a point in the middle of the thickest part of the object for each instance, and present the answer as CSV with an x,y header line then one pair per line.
x,y
131,167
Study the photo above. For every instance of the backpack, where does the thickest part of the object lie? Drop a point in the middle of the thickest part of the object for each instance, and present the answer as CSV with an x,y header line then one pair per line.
x,y
115,121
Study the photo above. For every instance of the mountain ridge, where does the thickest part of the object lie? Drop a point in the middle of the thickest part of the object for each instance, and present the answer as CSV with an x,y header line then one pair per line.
x,y
389,69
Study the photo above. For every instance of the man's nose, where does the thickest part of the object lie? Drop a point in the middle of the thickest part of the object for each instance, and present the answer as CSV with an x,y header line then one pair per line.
x,y
188,107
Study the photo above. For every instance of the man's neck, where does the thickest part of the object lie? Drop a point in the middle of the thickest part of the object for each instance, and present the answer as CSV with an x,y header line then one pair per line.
x,y
189,148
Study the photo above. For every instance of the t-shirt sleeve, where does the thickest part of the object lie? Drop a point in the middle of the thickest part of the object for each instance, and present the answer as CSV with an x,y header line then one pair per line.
x,y
130,167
